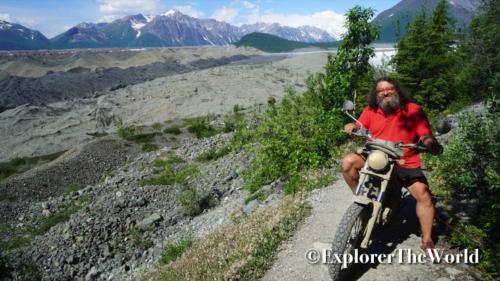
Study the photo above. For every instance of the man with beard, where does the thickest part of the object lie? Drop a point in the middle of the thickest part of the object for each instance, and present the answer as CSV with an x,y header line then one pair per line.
x,y
392,117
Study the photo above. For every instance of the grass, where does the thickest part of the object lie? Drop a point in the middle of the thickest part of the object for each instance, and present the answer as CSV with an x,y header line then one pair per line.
x,y
22,164
242,251
214,153
135,134
43,224
148,147
200,127
70,189
136,236
170,172
40,225
174,130
157,127
174,250
189,200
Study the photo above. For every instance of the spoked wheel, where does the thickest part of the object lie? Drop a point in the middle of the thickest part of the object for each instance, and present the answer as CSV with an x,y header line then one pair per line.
x,y
348,238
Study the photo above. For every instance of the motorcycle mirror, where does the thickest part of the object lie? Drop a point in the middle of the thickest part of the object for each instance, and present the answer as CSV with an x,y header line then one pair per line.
x,y
443,126
348,105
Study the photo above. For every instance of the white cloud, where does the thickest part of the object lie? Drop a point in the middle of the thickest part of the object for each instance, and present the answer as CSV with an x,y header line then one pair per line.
x,y
113,9
225,14
190,11
249,5
328,20
29,22
5,17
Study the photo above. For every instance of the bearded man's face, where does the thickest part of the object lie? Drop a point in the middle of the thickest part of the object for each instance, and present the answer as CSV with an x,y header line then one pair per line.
x,y
387,97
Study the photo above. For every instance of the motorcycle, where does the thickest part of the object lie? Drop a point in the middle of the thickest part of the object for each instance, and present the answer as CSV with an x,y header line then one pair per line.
x,y
376,198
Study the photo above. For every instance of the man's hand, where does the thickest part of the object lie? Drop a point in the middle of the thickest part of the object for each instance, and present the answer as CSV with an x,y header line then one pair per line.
x,y
431,145
349,127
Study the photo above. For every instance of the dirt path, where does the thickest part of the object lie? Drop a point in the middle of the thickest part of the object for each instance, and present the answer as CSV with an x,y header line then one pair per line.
x,y
318,230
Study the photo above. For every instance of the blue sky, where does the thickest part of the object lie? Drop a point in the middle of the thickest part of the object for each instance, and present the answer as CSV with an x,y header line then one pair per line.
x,y
52,17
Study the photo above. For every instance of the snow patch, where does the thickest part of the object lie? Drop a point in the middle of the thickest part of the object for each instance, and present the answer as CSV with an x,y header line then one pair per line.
x,y
137,25
206,39
169,13
5,25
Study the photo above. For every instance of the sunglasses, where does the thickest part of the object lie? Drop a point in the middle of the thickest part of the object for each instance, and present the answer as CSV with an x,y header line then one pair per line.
x,y
387,89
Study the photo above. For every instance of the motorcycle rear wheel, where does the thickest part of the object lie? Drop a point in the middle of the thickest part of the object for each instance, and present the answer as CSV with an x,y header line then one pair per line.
x,y
348,238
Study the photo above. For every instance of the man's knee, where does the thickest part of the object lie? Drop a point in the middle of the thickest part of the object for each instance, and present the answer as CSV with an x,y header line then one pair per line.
x,y
420,191
352,161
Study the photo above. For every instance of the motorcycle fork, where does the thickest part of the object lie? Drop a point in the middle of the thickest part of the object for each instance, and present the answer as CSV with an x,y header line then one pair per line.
x,y
377,204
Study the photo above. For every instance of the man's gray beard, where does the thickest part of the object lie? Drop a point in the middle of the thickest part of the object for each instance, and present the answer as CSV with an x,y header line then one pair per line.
x,y
389,106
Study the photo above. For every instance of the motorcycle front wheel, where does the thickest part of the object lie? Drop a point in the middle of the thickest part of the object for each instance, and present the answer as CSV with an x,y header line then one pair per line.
x,y
348,238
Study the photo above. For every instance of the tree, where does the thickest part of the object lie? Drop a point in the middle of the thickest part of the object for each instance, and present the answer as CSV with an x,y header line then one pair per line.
x,y
425,59
303,131
480,60
347,69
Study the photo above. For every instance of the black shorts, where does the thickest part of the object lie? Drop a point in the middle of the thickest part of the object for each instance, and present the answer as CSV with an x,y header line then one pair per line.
x,y
407,176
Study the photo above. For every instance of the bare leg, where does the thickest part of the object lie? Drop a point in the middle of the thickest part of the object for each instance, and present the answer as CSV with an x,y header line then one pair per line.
x,y
425,208
351,165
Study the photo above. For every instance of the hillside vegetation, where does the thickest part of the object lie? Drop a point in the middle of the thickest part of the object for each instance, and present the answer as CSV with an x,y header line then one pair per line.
x,y
274,44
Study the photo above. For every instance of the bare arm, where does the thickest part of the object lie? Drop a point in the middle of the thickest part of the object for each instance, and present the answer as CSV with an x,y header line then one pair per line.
x,y
349,127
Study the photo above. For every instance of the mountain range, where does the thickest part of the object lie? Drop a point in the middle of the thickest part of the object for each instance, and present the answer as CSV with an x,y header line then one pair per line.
x,y
17,37
174,28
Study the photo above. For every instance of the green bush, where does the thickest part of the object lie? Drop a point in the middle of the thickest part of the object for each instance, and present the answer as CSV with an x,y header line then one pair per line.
x,y
68,190
231,121
136,236
171,173
174,130
190,201
296,134
135,134
214,153
469,167
470,160
19,165
148,147
174,250
157,127
201,128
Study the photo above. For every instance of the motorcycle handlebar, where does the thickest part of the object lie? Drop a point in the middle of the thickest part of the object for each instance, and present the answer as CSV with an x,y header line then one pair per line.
x,y
363,132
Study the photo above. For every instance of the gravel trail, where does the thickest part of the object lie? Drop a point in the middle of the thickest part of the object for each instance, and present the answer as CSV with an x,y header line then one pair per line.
x,y
318,230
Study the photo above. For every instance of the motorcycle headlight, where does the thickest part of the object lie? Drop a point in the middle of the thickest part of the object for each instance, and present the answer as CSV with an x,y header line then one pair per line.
x,y
377,160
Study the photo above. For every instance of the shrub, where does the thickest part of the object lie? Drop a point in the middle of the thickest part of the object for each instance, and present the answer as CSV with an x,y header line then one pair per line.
x,y
214,153
136,236
157,127
237,108
68,190
231,121
201,128
135,134
294,135
174,130
469,167
171,172
22,164
190,201
148,147
174,250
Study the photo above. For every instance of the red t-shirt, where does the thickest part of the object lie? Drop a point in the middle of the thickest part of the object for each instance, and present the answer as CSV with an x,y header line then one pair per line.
x,y
405,126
